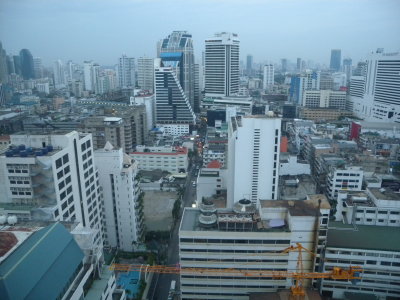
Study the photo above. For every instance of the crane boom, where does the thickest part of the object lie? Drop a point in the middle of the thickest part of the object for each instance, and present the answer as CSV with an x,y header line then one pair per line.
x,y
352,273
336,273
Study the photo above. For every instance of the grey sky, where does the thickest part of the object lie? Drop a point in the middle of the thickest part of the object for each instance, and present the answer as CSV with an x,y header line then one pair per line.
x,y
103,29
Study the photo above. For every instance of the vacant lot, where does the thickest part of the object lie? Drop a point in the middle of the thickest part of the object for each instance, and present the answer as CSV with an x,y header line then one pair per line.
x,y
158,209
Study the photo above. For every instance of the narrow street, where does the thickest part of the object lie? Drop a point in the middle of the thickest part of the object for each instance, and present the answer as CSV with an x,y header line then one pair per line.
x,y
162,282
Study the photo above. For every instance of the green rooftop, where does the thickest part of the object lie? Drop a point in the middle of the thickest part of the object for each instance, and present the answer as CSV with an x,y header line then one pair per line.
x,y
368,237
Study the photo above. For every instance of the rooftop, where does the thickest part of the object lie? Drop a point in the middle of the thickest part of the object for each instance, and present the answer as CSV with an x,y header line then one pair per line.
x,y
368,237
384,194
300,207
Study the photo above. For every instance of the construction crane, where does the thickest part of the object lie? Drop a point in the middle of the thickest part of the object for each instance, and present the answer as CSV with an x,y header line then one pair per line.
x,y
297,290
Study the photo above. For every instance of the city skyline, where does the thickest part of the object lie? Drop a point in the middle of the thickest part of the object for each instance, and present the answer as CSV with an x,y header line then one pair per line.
x,y
48,34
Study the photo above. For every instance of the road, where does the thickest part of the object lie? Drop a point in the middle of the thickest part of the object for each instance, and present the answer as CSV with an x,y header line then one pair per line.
x,y
161,283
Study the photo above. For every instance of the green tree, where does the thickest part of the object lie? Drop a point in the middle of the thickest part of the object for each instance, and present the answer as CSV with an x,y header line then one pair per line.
x,y
176,209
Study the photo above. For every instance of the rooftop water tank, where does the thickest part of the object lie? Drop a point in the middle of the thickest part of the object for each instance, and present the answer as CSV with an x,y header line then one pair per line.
x,y
50,148
21,147
3,219
39,153
9,153
24,153
12,220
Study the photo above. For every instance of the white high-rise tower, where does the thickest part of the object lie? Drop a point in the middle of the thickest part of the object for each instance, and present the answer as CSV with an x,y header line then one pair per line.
x,y
126,71
146,73
222,65
268,76
253,160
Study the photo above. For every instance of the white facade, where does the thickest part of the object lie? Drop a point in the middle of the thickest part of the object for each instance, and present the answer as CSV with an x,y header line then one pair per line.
x,y
123,214
56,176
171,159
126,72
253,158
292,166
210,182
380,98
350,179
145,73
90,73
366,207
222,65
325,99
149,102
249,247
175,129
59,74
269,74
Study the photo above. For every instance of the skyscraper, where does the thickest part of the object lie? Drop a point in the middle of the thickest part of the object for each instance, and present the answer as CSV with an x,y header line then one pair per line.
x,y
253,162
197,94
347,67
17,64
3,65
59,74
269,74
145,73
336,58
222,65
126,72
303,82
90,72
38,67
176,51
172,104
298,66
27,68
284,65
249,64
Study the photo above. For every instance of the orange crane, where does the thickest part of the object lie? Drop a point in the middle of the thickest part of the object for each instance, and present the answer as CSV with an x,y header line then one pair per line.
x,y
297,290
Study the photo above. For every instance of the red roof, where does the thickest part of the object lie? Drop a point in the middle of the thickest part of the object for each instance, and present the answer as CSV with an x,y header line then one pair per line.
x,y
214,164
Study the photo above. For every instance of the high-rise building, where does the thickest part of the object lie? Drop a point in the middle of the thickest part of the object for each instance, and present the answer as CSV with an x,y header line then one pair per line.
x,y
222,65
197,94
284,63
269,74
253,160
177,52
17,64
59,74
10,64
145,73
380,86
123,213
3,65
303,82
336,58
38,67
348,68
91,72
54,177
172,104
126,72
299,65
249,64
27,68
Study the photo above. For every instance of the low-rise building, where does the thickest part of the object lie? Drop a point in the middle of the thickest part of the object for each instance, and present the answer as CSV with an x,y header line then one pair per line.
x,y
165,158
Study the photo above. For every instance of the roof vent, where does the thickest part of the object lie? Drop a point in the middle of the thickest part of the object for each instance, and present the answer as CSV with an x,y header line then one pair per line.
x,y
244,206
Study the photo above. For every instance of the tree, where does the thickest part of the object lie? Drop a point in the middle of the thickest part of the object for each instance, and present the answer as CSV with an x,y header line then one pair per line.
x,y
176,209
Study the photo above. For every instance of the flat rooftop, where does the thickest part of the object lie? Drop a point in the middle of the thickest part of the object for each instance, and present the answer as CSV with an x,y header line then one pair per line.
x,y
385,194
299,207
368,237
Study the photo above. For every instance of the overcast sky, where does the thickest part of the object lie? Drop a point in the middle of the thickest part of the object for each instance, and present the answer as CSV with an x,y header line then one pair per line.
x,y
102,30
